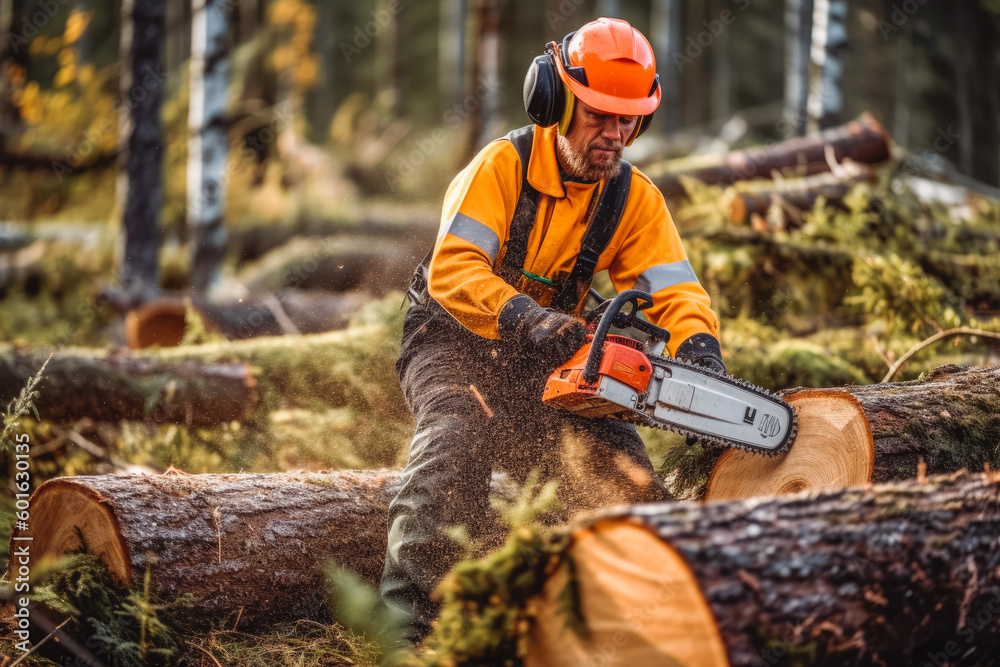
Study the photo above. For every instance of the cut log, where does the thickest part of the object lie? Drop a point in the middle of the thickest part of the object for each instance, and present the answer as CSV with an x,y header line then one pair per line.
x,y
906,574
798,194
255,543
863,140
162,322
875,433
119,386
338,264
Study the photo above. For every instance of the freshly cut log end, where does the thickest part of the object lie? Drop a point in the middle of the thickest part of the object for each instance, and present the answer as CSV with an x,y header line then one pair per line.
x,y
639,599
834,448
160,323
70,517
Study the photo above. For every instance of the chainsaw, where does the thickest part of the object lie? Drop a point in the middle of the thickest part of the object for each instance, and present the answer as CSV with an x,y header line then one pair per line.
x,y
623,378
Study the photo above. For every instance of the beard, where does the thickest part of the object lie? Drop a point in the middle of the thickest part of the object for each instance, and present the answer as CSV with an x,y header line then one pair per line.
x,y
588,165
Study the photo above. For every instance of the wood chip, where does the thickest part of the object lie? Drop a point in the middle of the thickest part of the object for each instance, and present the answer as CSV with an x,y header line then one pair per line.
x,y
482,401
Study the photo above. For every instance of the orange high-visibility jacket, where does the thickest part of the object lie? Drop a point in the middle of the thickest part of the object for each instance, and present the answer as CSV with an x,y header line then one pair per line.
x,y
645,252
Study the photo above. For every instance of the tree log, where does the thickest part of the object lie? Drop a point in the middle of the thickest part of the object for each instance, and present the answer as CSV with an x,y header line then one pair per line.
x,y
254,542
119,386
906,574
863,140
798,194
163,321
337,264
875,433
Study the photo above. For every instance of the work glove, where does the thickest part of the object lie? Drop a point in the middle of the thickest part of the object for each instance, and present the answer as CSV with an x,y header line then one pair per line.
x,y
548,334
703,350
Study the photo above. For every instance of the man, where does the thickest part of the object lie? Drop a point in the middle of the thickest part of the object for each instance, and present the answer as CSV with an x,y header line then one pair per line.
x,y
493,308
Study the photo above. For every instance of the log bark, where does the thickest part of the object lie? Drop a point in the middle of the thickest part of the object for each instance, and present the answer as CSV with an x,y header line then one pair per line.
x,y
253,542
904,574
863,140
119,386
949,421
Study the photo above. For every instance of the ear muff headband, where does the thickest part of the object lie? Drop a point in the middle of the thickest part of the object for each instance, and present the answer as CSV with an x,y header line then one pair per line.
x,y
567,115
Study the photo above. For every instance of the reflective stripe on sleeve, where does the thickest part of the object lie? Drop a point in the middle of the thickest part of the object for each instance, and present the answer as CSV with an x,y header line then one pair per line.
x,y
655,278
475,233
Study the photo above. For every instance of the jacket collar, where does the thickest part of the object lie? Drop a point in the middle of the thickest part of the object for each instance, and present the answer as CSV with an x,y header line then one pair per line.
x,y
543,168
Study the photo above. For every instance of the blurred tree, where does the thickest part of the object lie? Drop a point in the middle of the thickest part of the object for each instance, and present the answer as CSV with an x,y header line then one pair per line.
x,y
798,38
451,51
208,143
665,37
829,43
140,83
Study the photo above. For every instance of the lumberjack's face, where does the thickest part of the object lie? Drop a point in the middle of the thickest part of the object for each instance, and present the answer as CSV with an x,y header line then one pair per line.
x,y
592,148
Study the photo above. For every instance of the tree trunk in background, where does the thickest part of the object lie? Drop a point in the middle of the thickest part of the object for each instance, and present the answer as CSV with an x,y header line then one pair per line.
x,y
609,8
665,35
320,98
903,83
6,109
140,156
829,43
484,88
719,84
208,145
798,37
963,89
451,52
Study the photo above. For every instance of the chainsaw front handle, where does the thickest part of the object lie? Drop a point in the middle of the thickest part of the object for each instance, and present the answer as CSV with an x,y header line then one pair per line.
x,y
611,314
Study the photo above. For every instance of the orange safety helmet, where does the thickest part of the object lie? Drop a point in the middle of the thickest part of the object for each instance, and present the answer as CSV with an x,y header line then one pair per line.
x,y
607,63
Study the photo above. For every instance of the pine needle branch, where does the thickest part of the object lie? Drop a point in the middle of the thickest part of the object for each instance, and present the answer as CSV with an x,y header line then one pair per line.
x,y
21,406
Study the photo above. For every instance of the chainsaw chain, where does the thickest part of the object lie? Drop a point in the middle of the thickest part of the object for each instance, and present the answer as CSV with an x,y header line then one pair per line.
x,y
666,362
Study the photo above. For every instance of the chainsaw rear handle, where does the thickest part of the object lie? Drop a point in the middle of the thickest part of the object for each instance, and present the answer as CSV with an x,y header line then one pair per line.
x,y
611,314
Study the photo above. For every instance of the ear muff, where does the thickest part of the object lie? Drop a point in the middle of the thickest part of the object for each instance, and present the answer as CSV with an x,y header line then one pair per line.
x,y
647,120
567,114
544,92
640,127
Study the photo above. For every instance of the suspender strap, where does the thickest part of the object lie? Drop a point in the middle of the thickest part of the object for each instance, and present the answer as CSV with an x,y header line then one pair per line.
x,y
516,249
600,229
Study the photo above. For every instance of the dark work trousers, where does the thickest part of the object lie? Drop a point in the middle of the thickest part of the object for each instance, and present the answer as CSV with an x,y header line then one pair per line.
x,y
460,439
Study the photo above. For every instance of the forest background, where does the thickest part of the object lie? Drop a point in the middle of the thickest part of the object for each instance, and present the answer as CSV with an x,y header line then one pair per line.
x,y
342,123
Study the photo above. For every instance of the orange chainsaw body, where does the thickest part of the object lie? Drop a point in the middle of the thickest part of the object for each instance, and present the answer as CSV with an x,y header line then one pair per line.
x,y
623,361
